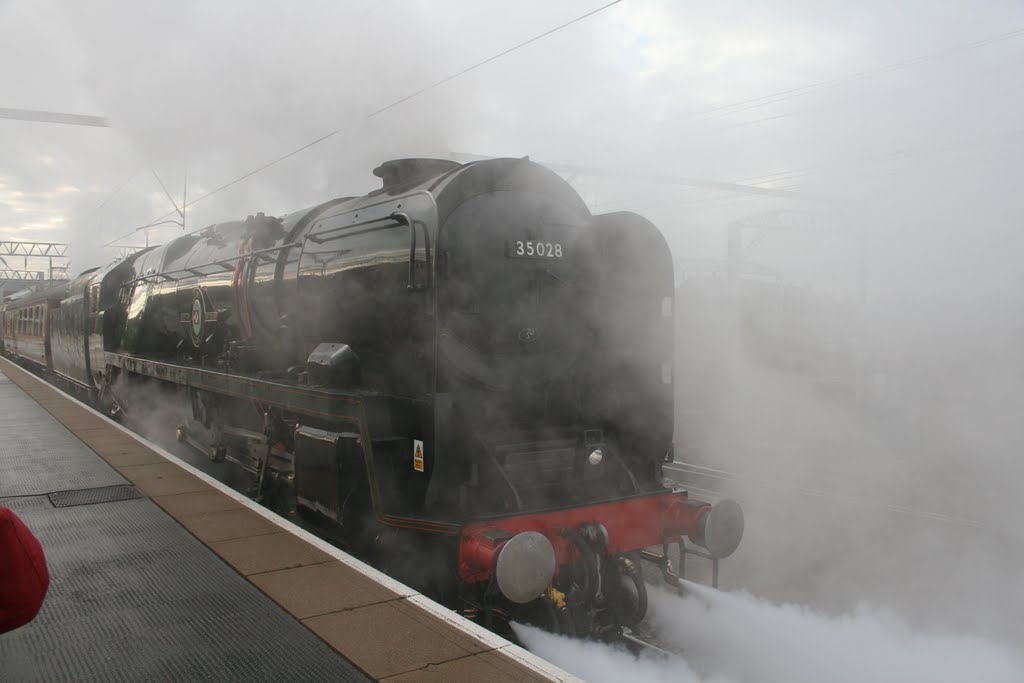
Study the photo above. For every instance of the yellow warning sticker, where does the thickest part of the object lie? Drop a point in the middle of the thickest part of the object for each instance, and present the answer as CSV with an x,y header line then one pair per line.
x,y
417,455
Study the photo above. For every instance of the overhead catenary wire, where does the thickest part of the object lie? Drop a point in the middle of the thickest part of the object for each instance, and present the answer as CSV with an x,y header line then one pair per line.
x,y
952,150
116,191
493,58
379,111
758,101
799,112
772,98
755,185
790,93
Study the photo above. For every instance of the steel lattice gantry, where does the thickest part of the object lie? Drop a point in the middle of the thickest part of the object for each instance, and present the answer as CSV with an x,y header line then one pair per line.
x,y
46,249
31,275
35,273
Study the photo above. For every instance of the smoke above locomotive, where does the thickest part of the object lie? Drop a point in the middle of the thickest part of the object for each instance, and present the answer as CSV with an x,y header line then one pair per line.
x,y
464,369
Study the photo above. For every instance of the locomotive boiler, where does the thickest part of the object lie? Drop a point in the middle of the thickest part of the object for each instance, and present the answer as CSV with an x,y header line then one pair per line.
x,y
464,375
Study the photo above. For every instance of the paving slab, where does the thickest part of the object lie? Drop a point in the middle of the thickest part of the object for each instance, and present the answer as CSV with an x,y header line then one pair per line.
x,y
123,457
171,484
319,589
199,501
487,666
223,525
392,638
268,553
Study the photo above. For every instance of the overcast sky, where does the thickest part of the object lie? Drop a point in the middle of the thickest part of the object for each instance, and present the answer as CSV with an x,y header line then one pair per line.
x,y
905,116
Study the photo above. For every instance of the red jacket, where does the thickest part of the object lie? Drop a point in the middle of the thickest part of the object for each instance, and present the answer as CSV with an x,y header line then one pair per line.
x,y
23,575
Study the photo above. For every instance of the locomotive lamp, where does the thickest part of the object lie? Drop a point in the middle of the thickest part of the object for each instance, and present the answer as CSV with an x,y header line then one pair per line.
x,y
594,446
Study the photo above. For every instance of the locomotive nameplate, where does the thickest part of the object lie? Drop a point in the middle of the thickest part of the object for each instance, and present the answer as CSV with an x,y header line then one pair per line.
x,y
535,250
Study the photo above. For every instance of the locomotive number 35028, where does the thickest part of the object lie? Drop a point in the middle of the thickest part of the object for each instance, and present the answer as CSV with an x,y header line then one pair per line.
x,y
530,249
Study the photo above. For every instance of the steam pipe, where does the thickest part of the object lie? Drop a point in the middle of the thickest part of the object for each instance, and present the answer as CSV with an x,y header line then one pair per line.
x,y
589,563
636,576
549,607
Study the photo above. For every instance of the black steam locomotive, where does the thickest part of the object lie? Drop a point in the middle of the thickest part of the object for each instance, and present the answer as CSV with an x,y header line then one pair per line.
x,y
465,375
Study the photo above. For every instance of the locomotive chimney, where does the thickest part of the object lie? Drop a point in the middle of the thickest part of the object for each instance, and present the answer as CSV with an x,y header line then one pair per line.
x,y
407,171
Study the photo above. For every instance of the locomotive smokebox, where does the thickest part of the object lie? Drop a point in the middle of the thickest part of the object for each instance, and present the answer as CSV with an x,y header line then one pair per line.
x,y
407,171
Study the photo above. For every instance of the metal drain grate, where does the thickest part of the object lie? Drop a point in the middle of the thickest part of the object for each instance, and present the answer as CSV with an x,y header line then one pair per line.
x,y
104,494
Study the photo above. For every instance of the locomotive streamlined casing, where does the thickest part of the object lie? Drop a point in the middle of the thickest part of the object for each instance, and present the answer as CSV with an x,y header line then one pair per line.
x,y
278,287
498,361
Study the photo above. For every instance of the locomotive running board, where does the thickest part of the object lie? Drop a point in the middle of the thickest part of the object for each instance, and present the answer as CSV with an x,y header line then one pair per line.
x,y
326,403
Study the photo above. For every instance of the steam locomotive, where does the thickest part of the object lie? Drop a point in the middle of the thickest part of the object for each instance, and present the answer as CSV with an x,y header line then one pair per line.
x,y
465,375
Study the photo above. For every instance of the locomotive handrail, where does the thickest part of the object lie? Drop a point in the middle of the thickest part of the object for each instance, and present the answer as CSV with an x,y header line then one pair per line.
x,y
404,218
225,264
319,238
151,276
397,217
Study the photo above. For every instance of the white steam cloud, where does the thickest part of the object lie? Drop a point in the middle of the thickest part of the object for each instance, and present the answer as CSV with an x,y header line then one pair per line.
x,y
740,638
598,662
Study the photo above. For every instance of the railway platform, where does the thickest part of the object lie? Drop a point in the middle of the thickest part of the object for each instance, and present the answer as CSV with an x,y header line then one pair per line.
x,y
158,572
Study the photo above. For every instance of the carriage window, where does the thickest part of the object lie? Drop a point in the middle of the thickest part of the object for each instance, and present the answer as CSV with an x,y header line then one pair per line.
x,y
94,298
